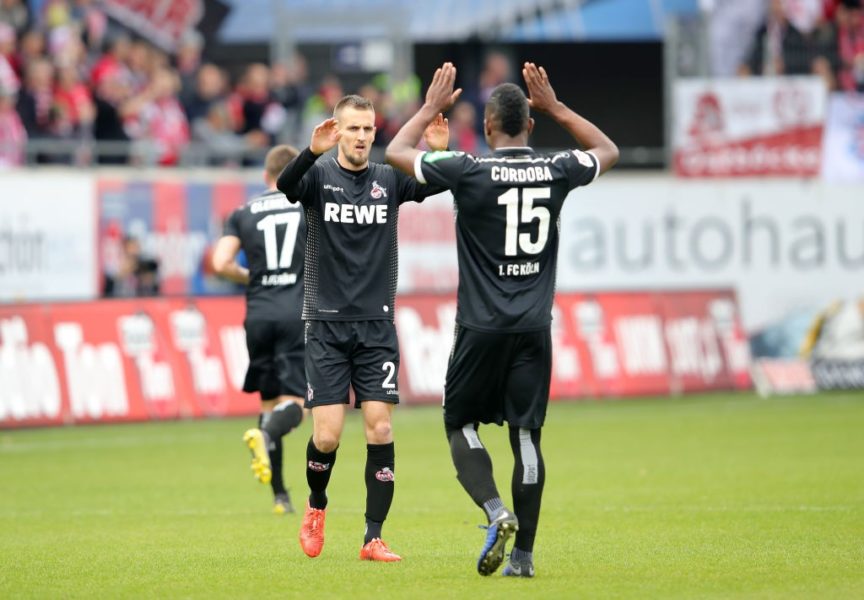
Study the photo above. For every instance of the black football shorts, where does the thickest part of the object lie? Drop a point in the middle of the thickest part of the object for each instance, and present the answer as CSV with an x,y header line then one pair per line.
x,y
497,377
363,355
275,358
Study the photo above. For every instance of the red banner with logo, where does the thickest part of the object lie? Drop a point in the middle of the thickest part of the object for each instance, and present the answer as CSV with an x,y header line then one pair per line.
x,y
155,359
122,360
605,344
161,21
748,127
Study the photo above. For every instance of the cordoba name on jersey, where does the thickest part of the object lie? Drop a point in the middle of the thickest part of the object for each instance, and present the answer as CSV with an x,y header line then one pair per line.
x,y
528,174
518,269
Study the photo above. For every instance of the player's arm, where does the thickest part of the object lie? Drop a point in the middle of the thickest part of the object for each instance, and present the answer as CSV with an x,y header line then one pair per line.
x,y
224,260
402,151
290,181
542,98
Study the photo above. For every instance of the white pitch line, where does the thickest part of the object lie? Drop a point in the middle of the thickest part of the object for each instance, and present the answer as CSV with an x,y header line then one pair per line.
x,y
741,508
9,445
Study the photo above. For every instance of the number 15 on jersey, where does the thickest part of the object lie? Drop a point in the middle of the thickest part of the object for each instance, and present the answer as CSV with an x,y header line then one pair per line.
x,y
529,213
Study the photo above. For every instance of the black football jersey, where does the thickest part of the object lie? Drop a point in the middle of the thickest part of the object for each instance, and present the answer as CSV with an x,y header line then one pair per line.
x,y
507,216
272,232
352,261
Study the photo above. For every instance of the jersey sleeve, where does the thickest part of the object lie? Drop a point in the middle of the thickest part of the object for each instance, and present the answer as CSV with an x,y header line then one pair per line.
x,y
581,167
412,190
232,224
442,168
298,178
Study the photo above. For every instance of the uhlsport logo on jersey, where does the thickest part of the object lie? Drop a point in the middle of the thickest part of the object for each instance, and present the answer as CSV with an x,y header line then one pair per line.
x,y
318,467
378,191
385,475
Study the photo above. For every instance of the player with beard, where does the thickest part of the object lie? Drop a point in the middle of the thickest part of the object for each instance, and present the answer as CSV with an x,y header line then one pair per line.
x,y
352,206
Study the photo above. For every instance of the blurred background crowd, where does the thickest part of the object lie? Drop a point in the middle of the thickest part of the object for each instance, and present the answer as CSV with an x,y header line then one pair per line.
x,y
70,75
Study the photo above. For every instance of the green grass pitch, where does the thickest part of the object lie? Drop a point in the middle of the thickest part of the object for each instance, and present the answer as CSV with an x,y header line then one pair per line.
x,y
720,496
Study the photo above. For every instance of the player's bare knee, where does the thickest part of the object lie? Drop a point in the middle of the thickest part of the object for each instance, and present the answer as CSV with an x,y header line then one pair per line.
x,y
379,433
325,441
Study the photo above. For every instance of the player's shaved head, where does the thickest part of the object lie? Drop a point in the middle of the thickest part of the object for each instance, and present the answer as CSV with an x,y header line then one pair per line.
x,y
507,109
352,101
277,158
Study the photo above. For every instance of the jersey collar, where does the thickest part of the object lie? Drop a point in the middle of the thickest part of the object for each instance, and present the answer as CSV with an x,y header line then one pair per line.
x,y
349,172
513,150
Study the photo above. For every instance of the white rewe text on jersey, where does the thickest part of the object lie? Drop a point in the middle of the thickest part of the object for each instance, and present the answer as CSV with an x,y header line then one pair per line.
x,y
363,214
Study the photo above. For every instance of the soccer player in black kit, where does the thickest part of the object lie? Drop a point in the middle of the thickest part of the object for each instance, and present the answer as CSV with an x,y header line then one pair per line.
x,y
508,205
272,232
351,207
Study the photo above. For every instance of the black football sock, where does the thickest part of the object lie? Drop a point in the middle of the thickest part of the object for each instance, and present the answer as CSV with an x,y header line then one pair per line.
x,y
474,469
380,465
263,419
529,475
521,557
493,508
274,449
283,419
319,466
373,530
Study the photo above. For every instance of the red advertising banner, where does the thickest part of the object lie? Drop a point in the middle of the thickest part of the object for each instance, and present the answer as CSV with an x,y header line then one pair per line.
x,y
153,359
163,22
605,344
774,376
122,360
748,127
30,379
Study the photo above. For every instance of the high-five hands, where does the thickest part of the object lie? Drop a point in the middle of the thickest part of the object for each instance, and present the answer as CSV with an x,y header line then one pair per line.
x,y
325,136
437,134
541,96
440,94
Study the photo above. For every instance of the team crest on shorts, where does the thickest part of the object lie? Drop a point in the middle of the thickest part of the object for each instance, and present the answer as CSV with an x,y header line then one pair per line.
x,y
378,191
385,475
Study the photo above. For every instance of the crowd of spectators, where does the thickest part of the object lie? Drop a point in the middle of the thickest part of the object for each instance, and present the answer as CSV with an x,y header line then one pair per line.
x,y
77,89
811,37
70,77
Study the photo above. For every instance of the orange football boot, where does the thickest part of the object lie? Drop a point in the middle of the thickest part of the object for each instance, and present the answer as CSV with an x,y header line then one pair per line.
x,y
376,549
312,531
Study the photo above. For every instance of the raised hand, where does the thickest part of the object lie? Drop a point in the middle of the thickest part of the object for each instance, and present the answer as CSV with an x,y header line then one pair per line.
x,y
440,94
325,136
541,96
437,134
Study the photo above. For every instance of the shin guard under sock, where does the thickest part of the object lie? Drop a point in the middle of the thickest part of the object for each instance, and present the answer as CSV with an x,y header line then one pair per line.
x,y
319,467
473,466
283,419
379,475
529,475
275,452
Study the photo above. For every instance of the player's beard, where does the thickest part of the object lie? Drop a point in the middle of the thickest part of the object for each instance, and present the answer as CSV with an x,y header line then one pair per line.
x,y
356,159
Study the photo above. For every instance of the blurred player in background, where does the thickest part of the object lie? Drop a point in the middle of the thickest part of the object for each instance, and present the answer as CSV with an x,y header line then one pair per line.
x,y
508,204
271,231
352,208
